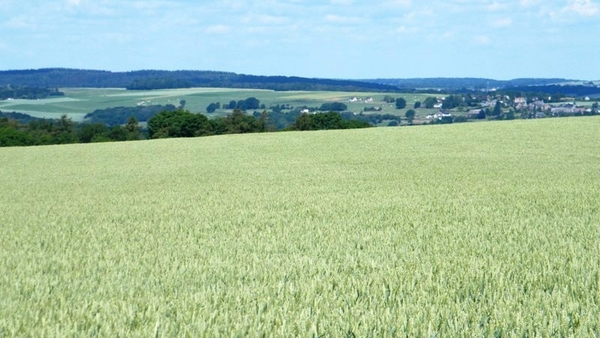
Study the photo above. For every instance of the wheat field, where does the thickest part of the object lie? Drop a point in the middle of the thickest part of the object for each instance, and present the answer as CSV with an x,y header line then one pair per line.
x,y
483,229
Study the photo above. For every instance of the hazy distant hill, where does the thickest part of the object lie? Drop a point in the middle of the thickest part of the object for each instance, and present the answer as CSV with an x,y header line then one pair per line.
x,y
159,79
465,83
576,88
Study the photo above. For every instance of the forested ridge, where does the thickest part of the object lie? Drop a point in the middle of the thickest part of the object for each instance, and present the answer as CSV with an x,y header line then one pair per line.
x,y
8,92
161,79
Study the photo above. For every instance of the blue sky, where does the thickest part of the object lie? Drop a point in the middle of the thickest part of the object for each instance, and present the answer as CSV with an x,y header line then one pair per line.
x,y
327,39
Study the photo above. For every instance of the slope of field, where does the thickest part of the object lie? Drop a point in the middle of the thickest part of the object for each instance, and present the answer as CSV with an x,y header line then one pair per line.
x,y
460,230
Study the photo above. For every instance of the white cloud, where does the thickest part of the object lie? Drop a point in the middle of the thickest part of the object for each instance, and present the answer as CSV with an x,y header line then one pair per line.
x,y
233,4
341,2
73,2
496,6
436,38
528,3
447,35
504,22
145,5
398,3
266,19
342,19
405,30
585,8
418,15
482,40
120,38
218,29
20,22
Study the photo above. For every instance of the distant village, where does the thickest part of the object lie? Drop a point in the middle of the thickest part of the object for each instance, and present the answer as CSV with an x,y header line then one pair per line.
x,y
471,106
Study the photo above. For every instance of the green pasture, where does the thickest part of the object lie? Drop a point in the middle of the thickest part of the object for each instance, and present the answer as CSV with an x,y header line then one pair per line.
x,y
465,230
80,101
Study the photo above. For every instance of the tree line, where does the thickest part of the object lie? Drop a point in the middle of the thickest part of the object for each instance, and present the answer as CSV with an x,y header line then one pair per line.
x,y
28,93
120,115
165,124
63,131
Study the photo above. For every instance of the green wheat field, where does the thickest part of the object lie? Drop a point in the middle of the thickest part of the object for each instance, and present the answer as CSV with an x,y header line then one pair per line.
x,y
482,229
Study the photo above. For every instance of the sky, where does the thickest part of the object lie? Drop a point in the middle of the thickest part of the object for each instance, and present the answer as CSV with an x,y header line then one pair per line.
x,y
346,39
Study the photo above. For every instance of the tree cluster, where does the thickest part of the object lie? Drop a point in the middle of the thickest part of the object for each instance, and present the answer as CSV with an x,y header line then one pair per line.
x,y
372,119
63,131
334,106
429,102
18,117
28,93
247,104
556,91
212,107
326,121
120,115
280,120
182,123
400,103
159,83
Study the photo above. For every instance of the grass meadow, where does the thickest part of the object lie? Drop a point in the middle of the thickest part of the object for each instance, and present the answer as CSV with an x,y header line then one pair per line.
x,y
475,229
78,102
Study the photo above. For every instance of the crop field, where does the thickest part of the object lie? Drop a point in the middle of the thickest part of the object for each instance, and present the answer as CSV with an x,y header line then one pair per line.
x,y
80,101
474,229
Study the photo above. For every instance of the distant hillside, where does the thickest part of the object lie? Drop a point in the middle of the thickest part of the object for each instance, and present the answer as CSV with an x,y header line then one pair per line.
x,y
568,90
464,83
576,88
161,79
19,117
158,79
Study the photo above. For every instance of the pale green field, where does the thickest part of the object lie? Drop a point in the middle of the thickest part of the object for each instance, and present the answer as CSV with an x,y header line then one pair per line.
x,y
80,101
483,229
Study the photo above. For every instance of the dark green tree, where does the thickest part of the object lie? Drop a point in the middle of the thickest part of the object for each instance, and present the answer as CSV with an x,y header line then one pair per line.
x,y
452,102
133,129
303,122
326,121
217,126
430,102
117,133
482,114
410,115
88,131
240,123
211,108
400,103
497,109
179,123
64,132
331,120
11,135
334,107
252,103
